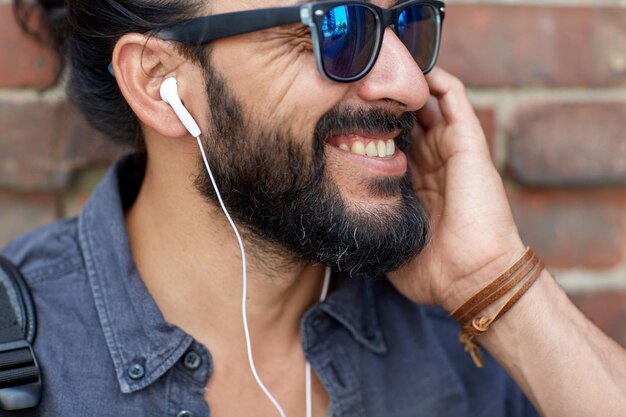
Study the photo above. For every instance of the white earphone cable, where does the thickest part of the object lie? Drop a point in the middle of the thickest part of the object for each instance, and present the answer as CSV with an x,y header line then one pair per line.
x,y
244,297
245,285
307,369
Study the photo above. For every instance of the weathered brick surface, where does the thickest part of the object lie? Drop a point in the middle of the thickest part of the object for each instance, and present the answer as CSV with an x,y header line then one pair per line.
x,y
499,50
44,143
607,310
20,213
569,144
573,229
24,62
505,46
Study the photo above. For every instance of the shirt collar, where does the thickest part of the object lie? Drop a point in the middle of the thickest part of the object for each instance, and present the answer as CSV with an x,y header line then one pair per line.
x,y
353,304
142,344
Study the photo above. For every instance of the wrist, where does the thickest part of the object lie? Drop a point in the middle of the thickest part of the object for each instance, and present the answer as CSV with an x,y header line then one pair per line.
x,y
460,289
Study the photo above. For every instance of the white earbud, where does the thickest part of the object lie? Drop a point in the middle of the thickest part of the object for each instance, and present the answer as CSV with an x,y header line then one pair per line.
x,y
169,94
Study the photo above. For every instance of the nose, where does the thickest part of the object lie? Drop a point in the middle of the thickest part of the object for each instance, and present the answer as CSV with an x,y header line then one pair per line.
x,y
395,77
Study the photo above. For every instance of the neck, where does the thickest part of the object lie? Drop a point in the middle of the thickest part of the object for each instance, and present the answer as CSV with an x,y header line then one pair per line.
x,y
188,256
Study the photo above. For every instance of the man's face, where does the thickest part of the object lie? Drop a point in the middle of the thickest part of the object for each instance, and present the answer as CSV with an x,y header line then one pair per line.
x,y
286,147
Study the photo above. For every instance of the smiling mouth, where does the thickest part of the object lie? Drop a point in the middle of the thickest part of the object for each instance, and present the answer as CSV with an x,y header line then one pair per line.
x,y
374,146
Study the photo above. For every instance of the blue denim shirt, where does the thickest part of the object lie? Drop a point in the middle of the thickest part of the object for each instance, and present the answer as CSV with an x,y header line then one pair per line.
x,y
106,350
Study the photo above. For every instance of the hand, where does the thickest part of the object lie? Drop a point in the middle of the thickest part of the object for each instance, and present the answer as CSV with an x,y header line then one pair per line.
x,y
473,235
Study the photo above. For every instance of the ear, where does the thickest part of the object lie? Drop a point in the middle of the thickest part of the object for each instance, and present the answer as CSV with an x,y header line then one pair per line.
x,y
140,64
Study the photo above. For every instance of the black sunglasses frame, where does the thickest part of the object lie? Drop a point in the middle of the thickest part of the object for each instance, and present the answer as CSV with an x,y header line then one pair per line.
x,y
201,30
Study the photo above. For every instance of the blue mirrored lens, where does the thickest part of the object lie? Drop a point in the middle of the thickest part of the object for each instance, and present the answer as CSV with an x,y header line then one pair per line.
x,y
348,40
418,29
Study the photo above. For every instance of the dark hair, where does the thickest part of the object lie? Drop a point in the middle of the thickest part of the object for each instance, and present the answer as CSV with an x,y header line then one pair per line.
x,y
84,32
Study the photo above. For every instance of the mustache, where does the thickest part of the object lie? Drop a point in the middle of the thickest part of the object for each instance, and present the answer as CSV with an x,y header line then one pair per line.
x,y
373,121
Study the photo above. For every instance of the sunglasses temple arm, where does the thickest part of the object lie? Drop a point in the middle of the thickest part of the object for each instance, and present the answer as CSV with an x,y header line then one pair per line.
x,y
205,29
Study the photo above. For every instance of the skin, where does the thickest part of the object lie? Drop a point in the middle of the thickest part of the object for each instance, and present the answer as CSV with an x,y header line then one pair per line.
x,y
563,363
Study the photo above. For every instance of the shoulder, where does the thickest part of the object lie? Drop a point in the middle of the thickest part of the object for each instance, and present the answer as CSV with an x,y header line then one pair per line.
x,y
70,345
47,252
51,261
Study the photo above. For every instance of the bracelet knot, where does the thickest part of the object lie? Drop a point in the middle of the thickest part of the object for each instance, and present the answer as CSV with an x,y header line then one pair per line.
x,y
480,325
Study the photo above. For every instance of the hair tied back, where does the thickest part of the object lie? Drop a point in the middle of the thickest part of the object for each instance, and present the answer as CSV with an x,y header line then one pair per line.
x,y
45,20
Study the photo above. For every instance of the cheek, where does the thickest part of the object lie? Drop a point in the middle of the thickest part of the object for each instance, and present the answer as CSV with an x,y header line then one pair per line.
x,y
278,82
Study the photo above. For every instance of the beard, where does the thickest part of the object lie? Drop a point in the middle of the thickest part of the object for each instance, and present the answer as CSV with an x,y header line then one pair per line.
x,y
275,184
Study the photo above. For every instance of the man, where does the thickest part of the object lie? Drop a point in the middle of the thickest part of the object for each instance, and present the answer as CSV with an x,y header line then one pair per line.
x,y
323,158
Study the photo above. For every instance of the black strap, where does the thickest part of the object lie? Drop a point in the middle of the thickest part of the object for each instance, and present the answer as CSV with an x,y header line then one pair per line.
x,y
9,326
20,376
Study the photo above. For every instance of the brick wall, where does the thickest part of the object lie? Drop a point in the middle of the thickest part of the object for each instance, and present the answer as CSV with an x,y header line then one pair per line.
x,y
548,79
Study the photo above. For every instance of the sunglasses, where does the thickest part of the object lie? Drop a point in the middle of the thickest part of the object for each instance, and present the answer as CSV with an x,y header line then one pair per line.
x,y
347,35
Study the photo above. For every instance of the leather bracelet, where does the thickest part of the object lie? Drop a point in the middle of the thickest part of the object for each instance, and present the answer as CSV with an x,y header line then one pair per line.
x,y
525,271
516,278
459,312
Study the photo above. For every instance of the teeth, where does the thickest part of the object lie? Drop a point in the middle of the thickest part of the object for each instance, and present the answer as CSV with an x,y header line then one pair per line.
x,y
371,149
391,148
358,148
382,148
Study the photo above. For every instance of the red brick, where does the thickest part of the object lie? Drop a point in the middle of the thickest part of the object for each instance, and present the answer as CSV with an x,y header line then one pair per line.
x,y
573,229
24,61
27,149
20,213
607,311
82,146
45,143
573,144
489,45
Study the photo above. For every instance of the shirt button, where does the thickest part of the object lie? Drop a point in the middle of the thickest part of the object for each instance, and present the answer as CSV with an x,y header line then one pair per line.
x,y
185,413
136,371
192,360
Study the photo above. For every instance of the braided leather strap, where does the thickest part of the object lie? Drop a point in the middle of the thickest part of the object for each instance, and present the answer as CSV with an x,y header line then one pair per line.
x,y
520,276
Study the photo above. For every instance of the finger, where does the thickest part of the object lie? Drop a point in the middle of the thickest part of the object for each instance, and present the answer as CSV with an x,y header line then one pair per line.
x,y
424,155
430,115
453,100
